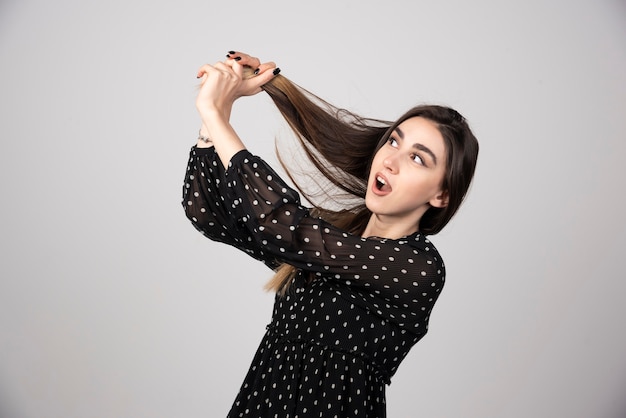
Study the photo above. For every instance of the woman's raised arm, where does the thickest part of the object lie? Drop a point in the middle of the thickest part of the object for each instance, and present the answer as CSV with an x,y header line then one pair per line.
x,y
221,84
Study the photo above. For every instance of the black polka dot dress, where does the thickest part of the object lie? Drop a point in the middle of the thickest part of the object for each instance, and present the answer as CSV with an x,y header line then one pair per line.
x,y
333,342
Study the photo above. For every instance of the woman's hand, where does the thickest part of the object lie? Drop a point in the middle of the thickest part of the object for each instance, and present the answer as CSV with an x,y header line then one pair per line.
x,y
223,83
252,65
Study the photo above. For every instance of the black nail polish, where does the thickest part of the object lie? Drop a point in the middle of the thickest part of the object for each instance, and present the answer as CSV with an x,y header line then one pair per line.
x,y
237,58
257,71
276,71
231,52
227,55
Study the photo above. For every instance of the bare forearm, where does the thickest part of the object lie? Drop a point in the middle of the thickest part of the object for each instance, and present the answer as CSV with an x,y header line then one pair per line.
x,y
204,133
222,135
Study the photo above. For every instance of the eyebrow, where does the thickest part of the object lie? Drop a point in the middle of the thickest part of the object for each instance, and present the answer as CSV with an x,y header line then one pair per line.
x,y
419,146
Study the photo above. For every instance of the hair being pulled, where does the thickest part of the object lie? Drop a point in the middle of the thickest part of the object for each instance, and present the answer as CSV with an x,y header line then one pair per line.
x,y
341,146
339,143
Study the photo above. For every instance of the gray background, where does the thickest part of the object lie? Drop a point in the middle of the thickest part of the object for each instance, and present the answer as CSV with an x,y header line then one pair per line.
x,y
112,305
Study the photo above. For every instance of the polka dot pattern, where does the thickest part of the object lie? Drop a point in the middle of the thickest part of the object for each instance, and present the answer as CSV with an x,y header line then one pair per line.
x,y
354,311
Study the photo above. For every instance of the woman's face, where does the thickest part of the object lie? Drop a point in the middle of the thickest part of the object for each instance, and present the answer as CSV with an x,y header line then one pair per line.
x,y
407,172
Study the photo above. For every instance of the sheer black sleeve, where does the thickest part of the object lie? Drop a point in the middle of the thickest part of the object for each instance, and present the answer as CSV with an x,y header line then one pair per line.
x,y
205,204
398,279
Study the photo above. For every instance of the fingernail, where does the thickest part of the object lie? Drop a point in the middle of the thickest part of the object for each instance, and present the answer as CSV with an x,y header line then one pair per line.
x,y
237,58
227,55
231,52
197,76
276,71
257,71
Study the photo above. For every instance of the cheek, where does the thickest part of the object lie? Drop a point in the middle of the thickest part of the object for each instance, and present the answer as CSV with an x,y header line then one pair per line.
x,y
376,162
425,185
440,178
378,156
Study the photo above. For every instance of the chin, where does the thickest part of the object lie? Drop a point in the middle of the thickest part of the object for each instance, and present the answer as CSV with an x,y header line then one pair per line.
x,y
368,201
371,206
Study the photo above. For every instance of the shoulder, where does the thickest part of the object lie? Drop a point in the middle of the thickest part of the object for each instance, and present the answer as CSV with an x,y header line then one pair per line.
x,y
423,248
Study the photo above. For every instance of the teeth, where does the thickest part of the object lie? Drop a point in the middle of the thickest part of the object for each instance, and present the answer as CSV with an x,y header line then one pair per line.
x,y
381,180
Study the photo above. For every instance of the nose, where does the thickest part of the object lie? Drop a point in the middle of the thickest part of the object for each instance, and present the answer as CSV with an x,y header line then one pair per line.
x,y
391,163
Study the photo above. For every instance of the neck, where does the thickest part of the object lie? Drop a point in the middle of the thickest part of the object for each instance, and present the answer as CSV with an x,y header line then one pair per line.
x,y
379,226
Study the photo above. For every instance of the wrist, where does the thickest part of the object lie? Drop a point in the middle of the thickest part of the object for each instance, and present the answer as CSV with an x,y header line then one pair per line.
x,y
214,113
211,118
213,124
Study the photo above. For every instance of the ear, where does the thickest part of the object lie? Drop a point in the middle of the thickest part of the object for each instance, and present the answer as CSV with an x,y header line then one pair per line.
x,y
440,200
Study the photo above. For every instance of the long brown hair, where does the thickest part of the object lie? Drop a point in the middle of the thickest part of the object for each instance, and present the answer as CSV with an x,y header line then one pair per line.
x,y
341,145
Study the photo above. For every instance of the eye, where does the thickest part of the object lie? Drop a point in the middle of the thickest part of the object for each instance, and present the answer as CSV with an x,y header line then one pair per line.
x,y
393,142
416,158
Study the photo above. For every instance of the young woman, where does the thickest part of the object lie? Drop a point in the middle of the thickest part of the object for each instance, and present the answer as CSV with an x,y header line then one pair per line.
x,y
354,287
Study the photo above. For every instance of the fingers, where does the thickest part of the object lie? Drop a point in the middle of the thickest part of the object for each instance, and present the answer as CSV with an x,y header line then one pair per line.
x,y
245,80
255,82
249,61
230,69
265,67
234,67
203,70
244,59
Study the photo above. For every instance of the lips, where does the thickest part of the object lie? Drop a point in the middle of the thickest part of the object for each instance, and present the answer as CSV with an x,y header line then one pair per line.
x,y
381,185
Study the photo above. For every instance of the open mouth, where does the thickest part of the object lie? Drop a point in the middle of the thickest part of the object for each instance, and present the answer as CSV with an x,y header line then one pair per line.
x,y
381,184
